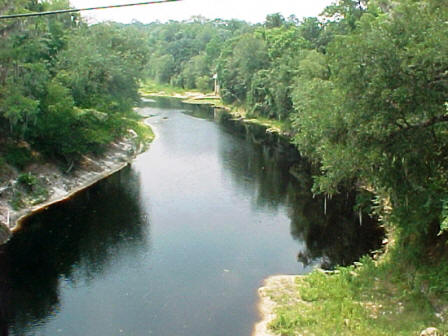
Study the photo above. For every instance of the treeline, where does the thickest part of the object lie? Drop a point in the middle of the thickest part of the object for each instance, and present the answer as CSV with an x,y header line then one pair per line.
x,y
257,65
364,88
66,88
185,54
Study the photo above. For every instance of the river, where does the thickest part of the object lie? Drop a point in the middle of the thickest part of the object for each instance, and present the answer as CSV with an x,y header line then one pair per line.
x,y
178,243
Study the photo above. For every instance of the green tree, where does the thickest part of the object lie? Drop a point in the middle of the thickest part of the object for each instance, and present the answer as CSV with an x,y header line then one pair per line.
x,y
240,60
381,118
177,49
66,88
274,21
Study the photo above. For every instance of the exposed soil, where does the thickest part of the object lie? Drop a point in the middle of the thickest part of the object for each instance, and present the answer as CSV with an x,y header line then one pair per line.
x,y
274,288
59,184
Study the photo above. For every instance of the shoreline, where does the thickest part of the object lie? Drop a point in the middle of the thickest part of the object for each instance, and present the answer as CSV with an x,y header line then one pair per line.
x,y
239,114
350,300
62,186
274,285
41,207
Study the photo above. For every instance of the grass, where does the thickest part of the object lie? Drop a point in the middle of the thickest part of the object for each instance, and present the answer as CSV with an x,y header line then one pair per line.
x,y
279,126
30,190
145,134
150,87
371,298
205,101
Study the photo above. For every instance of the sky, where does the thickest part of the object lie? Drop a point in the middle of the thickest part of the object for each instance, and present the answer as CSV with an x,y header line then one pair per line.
x,y
249,10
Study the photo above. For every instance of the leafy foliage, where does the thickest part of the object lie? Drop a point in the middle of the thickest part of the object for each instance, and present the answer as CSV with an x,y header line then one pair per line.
x,y
17,156
28,180
366,299
66,88
381,116
185,54
364,87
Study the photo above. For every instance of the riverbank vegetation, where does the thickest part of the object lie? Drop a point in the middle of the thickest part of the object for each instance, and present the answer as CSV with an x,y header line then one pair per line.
x,y
66,90
153,88
364,92
369,298
364,89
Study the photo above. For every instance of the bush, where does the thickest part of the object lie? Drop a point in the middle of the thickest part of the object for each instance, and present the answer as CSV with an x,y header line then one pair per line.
x,y
204,84
32,193
28,180
18,157
17,201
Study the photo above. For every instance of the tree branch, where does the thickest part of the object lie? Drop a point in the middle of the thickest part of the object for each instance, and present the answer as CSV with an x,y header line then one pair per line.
x,y
430,122
425,124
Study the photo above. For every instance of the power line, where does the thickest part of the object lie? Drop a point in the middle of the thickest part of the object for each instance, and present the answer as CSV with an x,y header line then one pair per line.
x,y
76,10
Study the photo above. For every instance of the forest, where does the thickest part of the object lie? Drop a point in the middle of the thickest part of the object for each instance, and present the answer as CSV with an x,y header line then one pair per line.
x,y
362,89
66,88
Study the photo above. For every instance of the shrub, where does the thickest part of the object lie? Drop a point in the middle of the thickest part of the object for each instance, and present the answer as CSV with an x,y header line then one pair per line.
x,y
18,157
27,180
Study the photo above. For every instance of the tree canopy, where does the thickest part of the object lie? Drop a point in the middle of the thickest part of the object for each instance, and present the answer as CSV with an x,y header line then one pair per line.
x,y
363,87
66,88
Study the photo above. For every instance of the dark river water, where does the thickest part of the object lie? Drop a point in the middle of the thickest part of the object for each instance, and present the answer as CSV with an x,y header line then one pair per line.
x,y
179,242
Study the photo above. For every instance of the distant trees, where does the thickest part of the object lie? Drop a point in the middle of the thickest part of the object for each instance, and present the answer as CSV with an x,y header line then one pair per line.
x,y
364,87
241,58
185,54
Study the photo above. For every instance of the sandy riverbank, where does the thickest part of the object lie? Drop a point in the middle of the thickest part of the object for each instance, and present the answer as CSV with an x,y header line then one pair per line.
x,y
275,289
61,185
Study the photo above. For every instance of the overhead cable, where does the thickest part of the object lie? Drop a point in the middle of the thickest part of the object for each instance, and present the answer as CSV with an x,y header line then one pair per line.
x,y
76,10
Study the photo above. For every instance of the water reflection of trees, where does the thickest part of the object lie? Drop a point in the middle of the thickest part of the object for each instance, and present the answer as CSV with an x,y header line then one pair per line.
x,y
331,229
75,241
261,170
334,236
